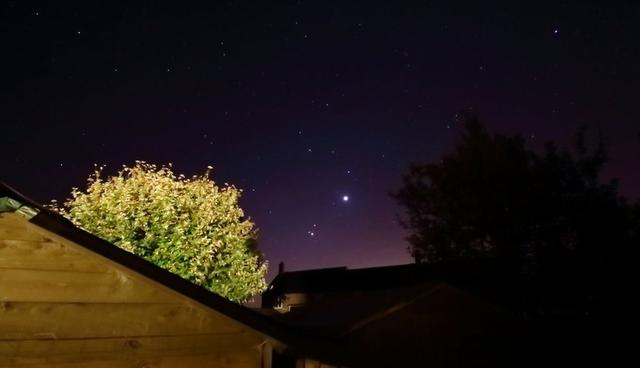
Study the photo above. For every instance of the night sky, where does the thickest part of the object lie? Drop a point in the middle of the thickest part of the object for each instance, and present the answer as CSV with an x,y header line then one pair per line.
x,y
314,108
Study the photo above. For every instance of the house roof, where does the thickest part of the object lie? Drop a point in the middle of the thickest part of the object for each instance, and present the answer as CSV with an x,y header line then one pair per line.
x,y
483,277
12,200
342,315
341,300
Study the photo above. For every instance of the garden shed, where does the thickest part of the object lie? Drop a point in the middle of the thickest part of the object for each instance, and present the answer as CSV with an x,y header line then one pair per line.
x,y
70,299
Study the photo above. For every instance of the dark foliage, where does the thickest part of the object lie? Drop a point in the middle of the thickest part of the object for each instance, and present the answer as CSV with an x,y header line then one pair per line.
x,y
562,234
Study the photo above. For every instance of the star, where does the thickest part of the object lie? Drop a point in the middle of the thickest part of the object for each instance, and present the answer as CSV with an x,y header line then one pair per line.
x,y
345,198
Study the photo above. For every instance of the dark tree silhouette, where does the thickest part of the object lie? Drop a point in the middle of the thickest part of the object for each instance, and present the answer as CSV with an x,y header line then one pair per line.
x,y
548,217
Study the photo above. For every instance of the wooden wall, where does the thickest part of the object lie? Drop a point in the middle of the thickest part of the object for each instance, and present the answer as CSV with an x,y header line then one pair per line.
x,y
64,306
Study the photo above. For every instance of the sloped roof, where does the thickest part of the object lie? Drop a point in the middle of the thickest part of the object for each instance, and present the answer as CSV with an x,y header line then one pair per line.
x,y
11,200
483,277
341,315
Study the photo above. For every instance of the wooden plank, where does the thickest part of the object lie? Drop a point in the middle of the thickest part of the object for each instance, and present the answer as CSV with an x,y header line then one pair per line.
x,y
25,352
46,255
267,355
20,233
218,360
11,219
78,287
87,320
16,227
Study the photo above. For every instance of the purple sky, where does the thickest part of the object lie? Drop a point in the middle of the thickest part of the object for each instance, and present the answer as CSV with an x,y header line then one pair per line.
x,y
302,103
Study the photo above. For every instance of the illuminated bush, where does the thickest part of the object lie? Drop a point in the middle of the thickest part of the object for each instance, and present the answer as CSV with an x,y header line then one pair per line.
x,y
188,226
